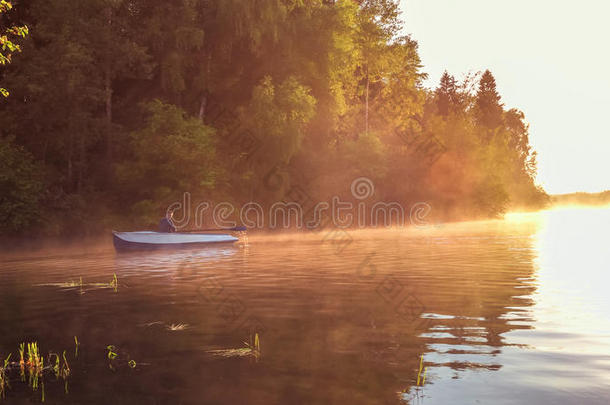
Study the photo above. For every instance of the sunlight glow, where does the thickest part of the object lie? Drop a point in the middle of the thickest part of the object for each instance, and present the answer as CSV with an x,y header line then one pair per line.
x,y
548,61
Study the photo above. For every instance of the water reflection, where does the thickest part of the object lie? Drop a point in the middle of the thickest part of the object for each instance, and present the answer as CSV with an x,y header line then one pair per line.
x,y
550,343
503,311
168,261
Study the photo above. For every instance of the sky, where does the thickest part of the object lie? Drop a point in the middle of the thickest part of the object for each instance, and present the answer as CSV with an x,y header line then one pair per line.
x,y
550,59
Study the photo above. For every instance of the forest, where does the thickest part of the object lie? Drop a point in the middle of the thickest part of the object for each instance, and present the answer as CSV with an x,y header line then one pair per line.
x,y
113,109
581,198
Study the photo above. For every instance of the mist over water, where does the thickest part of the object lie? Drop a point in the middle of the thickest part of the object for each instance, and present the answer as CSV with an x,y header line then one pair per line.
x,y
513,311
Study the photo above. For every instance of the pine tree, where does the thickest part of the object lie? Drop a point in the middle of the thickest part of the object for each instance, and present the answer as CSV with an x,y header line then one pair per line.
x,y
488,105
446,94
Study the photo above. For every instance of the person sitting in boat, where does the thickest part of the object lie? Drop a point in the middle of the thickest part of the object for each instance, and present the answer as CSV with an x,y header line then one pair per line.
x,y
166,225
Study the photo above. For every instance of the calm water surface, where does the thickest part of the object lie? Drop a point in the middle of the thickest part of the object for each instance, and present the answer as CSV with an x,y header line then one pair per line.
x,y
503,312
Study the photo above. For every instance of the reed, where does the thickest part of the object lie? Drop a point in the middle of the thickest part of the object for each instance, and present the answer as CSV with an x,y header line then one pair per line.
x,y
421,364
419,373
64,372
113,283
251,349
61,370
168,326
54,367
76,345
22,361
3,377
177,327
413,393
32,364
67,284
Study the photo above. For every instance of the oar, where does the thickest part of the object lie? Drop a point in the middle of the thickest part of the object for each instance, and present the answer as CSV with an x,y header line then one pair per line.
x,y
236,229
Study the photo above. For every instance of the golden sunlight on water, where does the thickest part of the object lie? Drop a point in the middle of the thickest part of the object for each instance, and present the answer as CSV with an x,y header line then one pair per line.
x,y
574,274
507,311
572,268
558,347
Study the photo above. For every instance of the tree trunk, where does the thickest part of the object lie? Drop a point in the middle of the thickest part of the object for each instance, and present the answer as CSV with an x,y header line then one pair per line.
x,y
108,94
204,102
82,162
366,102
204,96
70,137
45,146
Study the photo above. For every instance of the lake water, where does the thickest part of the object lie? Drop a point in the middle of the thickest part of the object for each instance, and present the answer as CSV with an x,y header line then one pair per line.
x,y
503,312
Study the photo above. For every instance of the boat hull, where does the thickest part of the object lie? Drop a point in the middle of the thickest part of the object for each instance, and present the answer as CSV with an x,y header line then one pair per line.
x,y
124,241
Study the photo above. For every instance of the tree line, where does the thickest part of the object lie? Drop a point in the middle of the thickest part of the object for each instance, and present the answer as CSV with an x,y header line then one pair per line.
x,y
118,107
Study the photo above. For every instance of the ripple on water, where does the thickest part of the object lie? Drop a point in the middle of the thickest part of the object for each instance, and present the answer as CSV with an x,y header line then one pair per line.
x,y
502,313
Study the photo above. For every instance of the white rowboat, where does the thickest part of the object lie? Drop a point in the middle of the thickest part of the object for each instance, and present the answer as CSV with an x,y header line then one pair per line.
x,y
155,240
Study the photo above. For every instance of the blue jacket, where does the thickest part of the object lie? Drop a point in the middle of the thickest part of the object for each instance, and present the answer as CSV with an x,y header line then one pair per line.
x,y
166,225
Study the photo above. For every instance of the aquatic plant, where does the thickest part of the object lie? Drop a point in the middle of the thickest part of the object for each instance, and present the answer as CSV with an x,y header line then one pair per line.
x,y
3,378
113,358
60,369
34,358
76,344
22,361
67,284
412,394
64,372
252,349
32,363
54,367
169,326
111,352
113,283
421,365
177,327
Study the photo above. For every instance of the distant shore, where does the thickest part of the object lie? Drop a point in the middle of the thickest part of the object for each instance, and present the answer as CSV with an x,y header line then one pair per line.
x,y
581,198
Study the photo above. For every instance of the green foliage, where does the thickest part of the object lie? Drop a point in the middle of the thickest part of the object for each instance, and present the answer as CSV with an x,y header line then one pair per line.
x,y
20,187
8,46
490,198
314,91
172,154
276,116
367,147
